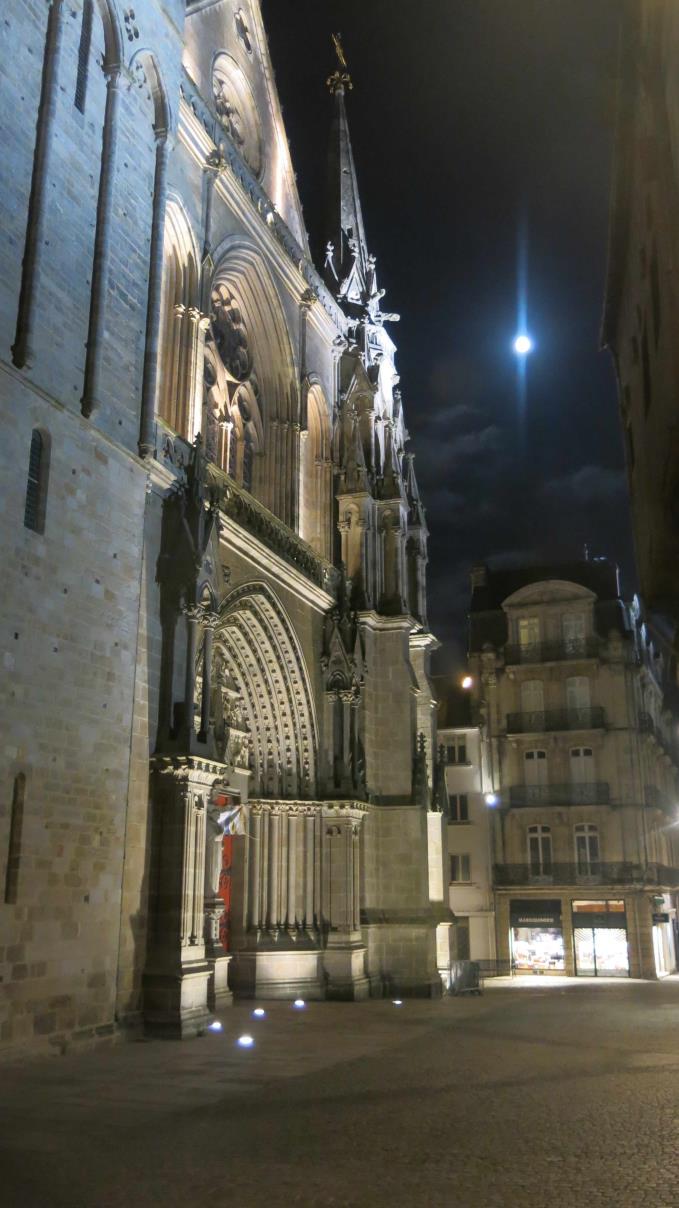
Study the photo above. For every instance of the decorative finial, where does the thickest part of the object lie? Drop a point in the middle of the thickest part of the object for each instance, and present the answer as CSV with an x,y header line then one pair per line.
x,y
339,79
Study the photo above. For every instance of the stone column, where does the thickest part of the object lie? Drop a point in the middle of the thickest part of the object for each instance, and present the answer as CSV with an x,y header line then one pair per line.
x,y
150,379
199,325
193,615
173,379
273,870
356,838
309,847
23,351
210,620
102,243
177,973
344,955
291,914
254,868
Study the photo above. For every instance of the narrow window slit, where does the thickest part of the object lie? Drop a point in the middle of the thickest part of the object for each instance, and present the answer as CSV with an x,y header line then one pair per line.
x,y
83,56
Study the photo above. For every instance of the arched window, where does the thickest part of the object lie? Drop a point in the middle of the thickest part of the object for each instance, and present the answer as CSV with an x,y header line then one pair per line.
x,y
179,326
316,475
83,56
36,483
540,851
587,849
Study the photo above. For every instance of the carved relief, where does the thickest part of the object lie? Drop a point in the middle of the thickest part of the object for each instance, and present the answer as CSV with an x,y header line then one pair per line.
x,y
236,109
230,334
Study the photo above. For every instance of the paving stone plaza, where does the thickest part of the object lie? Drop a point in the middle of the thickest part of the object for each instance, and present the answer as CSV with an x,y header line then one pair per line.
x,y
533,1095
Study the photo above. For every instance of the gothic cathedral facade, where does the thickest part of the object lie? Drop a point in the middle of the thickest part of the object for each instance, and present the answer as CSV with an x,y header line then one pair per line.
x,y
218,724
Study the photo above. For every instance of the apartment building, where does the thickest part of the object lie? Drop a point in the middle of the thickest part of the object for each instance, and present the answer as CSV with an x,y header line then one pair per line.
x,y
582,764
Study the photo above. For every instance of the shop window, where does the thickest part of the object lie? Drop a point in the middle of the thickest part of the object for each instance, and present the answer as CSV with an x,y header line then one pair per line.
x,y
587,849
540,851
600,938
459,807
460,868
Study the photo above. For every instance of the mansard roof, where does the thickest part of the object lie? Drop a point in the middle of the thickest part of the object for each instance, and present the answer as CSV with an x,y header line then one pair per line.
x,y
492,587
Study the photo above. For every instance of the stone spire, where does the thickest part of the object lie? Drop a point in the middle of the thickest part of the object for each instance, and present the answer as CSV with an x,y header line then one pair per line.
x,y
347,264
416,517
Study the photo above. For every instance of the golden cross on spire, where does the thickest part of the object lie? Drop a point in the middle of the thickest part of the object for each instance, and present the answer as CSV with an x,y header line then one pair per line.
x,y
340,78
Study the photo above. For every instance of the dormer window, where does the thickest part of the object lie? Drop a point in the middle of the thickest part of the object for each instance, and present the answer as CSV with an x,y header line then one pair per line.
x,y
529,632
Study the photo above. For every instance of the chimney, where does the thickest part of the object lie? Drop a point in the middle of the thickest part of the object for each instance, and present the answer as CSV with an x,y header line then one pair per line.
x,y
479,576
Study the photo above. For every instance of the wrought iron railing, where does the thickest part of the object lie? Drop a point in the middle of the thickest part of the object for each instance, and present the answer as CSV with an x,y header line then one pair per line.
x,y
594,873
668,745
552,652
538,721
595,793
566,874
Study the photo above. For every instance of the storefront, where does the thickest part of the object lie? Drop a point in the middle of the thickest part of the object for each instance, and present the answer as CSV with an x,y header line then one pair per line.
x,y
600,938
664,930
536,936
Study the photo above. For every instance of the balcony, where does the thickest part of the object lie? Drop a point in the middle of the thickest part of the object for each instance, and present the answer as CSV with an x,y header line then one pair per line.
x,y
552,652
595,873
595,793
590,718
666,742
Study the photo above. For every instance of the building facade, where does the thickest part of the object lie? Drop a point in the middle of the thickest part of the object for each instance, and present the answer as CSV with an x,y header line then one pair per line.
x,y
642,301
217,717
463,755
584,769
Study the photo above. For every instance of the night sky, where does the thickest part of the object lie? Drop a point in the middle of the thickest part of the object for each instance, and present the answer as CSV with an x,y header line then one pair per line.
x,y
473,121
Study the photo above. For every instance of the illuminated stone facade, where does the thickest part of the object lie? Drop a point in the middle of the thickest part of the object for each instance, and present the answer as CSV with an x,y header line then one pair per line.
x,y
582,764
213,547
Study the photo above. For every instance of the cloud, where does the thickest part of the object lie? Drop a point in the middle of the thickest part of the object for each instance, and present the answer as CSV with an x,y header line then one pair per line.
x,y
587,485
480,441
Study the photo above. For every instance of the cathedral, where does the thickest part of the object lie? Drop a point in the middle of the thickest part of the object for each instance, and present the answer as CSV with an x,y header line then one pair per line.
x,y
218,729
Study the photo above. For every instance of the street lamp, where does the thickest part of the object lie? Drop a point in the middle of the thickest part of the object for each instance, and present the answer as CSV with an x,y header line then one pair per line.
x,y
523,345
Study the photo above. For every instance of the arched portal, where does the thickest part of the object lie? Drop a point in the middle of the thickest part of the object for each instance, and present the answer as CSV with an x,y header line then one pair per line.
x,y
260,653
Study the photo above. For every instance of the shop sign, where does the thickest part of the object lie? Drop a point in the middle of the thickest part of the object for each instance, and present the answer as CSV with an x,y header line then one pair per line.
x,y
530,912
661,917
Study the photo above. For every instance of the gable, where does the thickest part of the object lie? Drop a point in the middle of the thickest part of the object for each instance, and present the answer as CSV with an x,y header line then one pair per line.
x,y
226,54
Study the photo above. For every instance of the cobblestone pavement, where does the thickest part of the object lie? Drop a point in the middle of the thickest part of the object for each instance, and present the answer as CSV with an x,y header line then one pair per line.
x,y
545,1096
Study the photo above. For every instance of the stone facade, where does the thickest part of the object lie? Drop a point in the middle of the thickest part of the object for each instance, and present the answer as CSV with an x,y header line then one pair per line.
x,y
469,873
584,769
214,635
642,303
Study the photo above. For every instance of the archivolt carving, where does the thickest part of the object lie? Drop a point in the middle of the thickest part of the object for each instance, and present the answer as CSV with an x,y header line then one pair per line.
x,y
236,109
230,334
263,656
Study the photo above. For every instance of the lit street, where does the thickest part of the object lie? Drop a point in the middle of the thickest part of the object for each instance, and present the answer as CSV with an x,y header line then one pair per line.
x,y
515,1098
